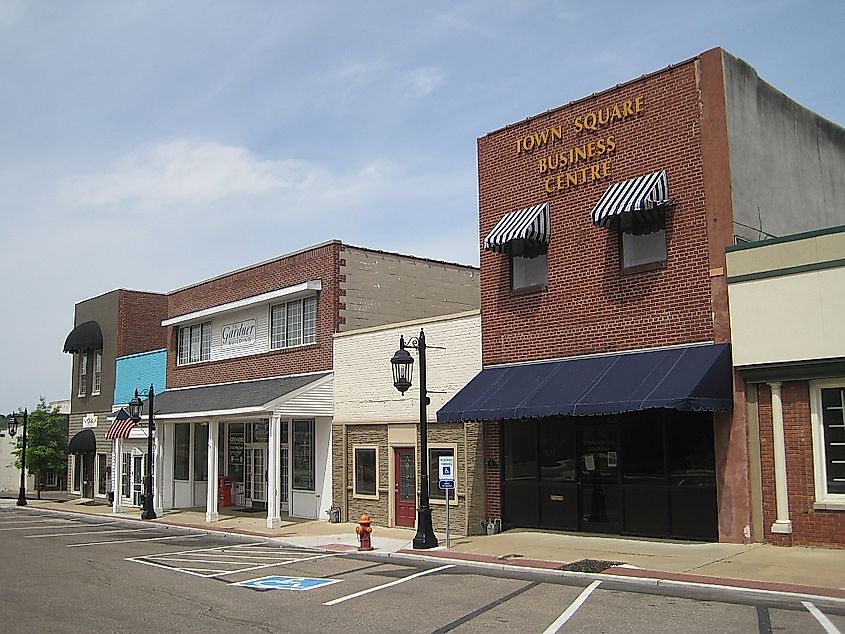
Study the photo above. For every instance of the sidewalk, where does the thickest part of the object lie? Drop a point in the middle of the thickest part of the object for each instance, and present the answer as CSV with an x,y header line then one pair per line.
x,y
812,571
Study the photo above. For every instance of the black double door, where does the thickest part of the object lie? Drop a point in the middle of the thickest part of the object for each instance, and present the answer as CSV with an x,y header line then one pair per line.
x,y
647,474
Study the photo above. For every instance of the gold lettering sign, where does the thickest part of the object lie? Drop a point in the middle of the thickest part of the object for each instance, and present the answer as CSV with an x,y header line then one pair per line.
x,y
584,162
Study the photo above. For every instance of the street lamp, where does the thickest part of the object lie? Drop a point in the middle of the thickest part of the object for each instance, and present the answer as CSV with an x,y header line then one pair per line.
x,y
13,429
135,409
403,364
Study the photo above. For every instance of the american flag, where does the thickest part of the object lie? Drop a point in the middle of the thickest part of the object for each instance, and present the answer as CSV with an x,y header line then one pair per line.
x,y
121,426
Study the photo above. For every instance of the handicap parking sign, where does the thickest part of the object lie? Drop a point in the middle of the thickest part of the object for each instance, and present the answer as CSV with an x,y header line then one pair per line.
x,y
277,582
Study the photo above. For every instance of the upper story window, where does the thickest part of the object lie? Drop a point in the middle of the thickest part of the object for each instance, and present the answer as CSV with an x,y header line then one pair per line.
x,y
83,374
194,343
642,245
293,323
98,373
828,420
524,235
529,268
638,209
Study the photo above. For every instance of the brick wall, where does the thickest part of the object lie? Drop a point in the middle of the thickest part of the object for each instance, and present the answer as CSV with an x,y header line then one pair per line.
x,y
589,306
139,326
317,263
810,527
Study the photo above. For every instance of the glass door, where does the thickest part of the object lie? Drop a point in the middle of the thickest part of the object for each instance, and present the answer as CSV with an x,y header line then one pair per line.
x,y
137,479
598,478
259,475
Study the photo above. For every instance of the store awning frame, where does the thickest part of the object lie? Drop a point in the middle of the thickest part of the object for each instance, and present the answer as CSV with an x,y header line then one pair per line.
x,y
646,196
83,442
688,378
85,337
530,225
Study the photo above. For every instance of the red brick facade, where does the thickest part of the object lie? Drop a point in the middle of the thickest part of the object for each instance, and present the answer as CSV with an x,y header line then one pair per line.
x,y
672,120
810,527
139,322
321,263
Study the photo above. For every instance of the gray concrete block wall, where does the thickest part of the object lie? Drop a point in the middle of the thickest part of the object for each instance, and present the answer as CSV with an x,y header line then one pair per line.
x,y
381,288
787,163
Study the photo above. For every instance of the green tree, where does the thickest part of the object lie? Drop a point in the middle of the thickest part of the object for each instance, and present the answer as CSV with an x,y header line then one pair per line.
x,y
46,443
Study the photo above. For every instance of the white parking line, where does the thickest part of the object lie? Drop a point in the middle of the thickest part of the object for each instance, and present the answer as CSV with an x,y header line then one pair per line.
x,y
29,527
28,520
129,541
113,530
387,585
825,622
281,563
572,609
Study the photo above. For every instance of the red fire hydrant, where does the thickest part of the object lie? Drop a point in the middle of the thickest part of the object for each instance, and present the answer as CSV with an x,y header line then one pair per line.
x,y
363,531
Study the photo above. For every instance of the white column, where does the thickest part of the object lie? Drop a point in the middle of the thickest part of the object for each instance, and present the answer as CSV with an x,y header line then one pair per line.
x,y
117,474
274,519
211,501
782,524
158,464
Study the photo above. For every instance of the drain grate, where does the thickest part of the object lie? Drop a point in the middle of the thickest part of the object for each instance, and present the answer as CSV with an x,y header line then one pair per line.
x,y
590,565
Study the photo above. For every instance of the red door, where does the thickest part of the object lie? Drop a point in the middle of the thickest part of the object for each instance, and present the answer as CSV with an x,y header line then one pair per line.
x,y
405,490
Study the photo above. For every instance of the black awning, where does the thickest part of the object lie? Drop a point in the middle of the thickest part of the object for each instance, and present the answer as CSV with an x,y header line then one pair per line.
x,y
84,337
693,378
83,442
642,196
529,225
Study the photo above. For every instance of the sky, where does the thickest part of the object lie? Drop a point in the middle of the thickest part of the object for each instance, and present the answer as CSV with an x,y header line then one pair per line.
x,y
150,145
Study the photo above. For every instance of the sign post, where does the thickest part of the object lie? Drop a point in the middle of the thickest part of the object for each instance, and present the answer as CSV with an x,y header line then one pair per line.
x,y
447,483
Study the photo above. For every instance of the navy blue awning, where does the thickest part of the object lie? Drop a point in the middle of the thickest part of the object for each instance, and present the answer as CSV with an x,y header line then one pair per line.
x,y
693,378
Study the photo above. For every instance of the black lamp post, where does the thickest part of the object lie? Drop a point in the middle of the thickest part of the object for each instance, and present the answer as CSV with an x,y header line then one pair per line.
x,y
136,406
13,429
403,364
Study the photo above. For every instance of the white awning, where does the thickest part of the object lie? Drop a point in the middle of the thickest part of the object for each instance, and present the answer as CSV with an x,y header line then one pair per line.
x,y
530,224
644,195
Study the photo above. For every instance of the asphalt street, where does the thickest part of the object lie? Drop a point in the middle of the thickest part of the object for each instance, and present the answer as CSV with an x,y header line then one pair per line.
x,y
70,573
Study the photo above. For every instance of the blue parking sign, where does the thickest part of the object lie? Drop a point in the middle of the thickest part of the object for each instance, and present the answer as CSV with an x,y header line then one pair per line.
x,y
277,582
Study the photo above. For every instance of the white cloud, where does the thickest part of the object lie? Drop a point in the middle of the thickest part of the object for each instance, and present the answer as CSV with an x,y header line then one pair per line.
x,y
422,81
185,173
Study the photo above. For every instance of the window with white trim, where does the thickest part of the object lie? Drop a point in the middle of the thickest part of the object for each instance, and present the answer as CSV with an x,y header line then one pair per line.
x,y
293,323
194,343
365,466
83,374
98,373
828,419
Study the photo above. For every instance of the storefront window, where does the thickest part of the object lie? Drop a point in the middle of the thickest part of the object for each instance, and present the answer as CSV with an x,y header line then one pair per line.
x,y
303,455
236,451
829,440
642,442
366,471
519,449
102,474
557,451
691,454
77,472
182,452
200,452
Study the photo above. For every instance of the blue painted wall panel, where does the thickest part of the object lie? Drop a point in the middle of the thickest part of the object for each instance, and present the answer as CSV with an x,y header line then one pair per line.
x,y
139,371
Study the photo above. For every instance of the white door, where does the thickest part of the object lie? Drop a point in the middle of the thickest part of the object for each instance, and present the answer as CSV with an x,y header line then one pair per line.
x,y
137,479
255,474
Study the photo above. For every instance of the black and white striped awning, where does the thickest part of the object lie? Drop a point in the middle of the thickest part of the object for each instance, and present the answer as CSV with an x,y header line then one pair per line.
x,y
530,224
644,195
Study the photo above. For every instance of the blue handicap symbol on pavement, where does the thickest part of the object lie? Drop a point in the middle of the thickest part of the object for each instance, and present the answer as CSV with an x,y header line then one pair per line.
x,y
277,582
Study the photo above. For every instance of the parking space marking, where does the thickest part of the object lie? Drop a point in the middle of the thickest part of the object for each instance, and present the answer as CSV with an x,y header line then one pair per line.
x,y
825,622
112,530
572,609
225,557
129,541
388,585
277,582
28,527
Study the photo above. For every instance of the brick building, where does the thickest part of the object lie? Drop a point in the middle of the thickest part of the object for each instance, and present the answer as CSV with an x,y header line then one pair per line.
x,y
607,398
789,345
112,325
246,417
